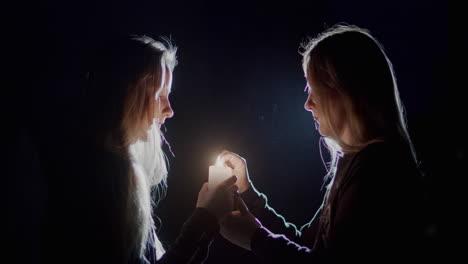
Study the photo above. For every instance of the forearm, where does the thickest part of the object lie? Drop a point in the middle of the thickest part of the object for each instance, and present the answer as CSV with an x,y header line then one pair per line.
x,y
258,206
274,248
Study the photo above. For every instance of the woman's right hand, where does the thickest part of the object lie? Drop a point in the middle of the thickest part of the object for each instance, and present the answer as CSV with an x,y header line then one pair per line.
x,y
219,199
239,167
239,226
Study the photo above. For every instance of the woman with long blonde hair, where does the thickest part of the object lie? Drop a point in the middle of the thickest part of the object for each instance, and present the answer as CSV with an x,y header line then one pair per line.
x,y
109,207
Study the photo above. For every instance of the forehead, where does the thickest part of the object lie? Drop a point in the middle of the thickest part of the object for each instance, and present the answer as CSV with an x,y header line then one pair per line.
x,y
166,83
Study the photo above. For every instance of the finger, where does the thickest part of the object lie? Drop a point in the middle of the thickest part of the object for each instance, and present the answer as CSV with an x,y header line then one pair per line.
x,y
234,189
225,157
228,218
204,188
235,213
225,152
229,157
229,164
244,210
228,182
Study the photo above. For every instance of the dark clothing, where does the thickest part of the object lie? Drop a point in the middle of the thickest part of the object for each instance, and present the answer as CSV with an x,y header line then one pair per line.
x,y
192,244
371,212
85,216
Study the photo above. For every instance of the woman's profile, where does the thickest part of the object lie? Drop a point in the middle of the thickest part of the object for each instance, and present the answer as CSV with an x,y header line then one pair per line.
x,y
119,169
372,206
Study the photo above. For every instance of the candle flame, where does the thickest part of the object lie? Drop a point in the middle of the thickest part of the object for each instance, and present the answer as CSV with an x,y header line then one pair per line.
x,y
219,162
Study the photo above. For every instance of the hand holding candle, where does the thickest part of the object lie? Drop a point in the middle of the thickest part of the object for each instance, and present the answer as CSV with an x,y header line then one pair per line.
x,y
218,199
217,195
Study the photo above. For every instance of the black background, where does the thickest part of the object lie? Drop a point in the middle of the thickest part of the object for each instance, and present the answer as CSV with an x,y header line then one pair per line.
x,y
239,86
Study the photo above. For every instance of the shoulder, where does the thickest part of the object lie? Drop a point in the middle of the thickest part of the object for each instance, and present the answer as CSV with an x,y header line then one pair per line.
x,y
385,162
390,153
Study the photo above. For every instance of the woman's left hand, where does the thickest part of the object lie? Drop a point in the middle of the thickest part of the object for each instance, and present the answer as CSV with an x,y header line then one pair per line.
x,y
239,226
218,200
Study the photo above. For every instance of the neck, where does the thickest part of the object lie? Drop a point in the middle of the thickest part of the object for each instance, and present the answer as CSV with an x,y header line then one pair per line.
x,y
347,138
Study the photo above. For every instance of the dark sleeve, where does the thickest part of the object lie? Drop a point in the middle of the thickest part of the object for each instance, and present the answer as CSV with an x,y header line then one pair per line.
x,y
340,241
375,212
258,205
194,240
273,248
359,228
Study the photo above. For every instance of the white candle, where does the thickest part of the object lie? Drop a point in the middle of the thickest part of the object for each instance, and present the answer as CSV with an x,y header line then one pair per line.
x,y
218,173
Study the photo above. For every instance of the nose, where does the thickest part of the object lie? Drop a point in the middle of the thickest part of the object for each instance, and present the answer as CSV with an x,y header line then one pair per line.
x,y
309,104
168,112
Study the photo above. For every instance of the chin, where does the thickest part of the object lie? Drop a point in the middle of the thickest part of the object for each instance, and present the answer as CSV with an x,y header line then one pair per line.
x,y
322,132
319,128
142,137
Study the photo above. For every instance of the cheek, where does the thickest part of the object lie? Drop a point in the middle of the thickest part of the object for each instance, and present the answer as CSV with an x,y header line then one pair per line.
x,y
157,106
318,113
340,117
147,120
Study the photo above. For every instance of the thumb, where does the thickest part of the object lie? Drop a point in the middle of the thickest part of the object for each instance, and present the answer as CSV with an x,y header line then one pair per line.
x,y
228,182
204,188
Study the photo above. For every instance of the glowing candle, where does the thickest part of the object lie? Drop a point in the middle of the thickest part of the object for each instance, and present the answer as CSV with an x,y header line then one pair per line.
x,y
218,173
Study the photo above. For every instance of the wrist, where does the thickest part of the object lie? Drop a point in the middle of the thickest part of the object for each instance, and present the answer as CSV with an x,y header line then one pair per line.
x,y
245,187
212,211
253,229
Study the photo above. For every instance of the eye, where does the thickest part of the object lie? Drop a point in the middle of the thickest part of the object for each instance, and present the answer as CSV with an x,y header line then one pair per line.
x,y
160,96
307,89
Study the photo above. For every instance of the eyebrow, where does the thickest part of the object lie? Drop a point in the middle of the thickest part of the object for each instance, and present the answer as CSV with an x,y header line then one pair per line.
x,y
163,90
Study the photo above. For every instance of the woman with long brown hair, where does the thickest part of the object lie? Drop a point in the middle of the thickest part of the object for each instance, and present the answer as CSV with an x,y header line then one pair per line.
x,y
372,207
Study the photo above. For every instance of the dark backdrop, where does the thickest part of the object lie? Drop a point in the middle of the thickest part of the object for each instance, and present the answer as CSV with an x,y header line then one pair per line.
x,y
238,86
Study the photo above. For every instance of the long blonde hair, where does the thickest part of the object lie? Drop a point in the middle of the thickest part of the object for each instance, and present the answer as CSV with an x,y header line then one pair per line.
x,y
124,82
357,88
147,157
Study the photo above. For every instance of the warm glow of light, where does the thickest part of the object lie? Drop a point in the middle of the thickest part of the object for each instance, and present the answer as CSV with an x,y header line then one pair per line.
x,y
218,162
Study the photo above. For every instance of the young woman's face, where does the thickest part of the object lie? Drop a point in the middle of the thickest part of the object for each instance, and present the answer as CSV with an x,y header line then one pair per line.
x,y
162,109
312,105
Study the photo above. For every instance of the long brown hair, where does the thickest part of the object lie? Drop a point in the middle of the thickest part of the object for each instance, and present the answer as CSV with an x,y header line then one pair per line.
x,y
356,80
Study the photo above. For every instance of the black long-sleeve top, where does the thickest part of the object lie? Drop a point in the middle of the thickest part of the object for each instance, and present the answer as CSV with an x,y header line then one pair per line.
x,y
371,212
191,246
84,216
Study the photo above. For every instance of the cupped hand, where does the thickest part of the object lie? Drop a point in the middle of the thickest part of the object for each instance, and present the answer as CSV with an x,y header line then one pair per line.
x,y
239,226
239,167
219,199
